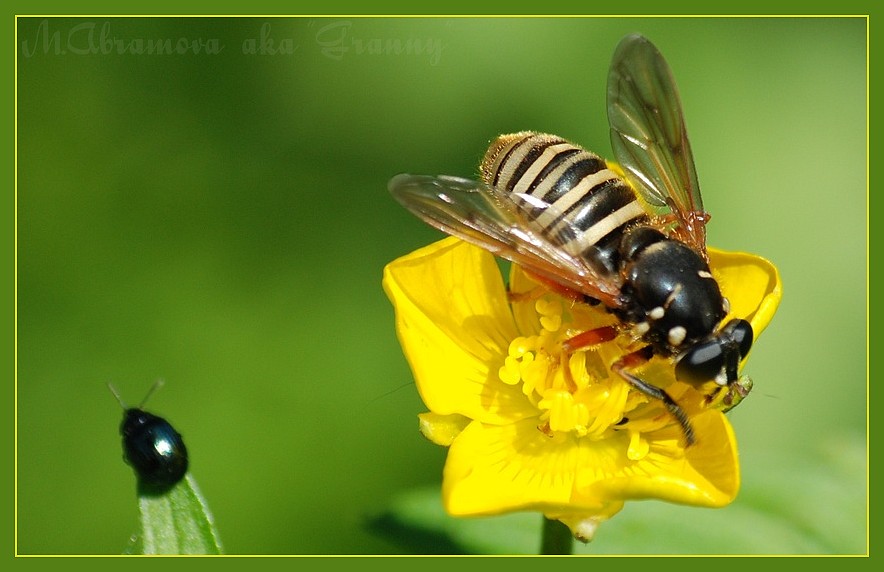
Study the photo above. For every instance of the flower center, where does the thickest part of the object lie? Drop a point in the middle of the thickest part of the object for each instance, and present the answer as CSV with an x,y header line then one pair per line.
x,y
574,392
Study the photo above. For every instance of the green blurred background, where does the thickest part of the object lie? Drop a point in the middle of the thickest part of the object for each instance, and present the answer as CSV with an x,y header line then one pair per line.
x,y
221,221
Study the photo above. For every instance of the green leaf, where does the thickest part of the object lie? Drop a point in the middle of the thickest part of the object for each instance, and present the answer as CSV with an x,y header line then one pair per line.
x,y
814,505
176,521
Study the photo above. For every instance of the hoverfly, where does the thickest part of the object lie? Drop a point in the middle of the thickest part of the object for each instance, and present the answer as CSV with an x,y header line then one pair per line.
x,y
635,243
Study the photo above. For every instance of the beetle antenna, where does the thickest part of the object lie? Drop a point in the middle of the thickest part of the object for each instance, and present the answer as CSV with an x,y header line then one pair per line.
x,y
116,394
156,385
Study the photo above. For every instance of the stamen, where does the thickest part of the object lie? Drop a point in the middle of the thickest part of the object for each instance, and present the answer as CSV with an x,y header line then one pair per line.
x,y
520,346
550,314
551,323
509,372
638,447
564,370
564,413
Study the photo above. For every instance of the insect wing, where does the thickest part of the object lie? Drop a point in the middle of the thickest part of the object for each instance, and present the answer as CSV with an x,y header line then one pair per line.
x,y
649,138
480,215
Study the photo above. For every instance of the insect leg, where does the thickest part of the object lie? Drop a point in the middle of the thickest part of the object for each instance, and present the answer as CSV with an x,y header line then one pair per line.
x,y
620,367
527,296
637,358
589,338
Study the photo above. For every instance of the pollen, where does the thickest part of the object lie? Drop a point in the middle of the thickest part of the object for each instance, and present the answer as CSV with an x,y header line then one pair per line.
x,y
574,391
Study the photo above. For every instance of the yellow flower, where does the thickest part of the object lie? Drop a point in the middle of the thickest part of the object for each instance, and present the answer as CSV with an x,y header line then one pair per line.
x,y
532,428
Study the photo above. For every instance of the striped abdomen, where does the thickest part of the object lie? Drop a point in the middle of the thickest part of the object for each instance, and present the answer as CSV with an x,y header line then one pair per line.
x,y
591,205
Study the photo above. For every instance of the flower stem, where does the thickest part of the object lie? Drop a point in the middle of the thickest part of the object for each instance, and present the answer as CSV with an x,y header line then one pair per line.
x,y
557,538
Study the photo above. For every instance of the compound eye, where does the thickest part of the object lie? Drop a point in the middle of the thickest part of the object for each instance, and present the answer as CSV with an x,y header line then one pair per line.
x,y
701,363
740,331
717,358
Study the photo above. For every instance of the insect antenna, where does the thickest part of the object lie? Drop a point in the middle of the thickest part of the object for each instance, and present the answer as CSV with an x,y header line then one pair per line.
x,y
116,395
156,385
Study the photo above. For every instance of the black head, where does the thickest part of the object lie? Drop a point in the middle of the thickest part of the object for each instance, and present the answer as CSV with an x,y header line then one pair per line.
x,y
717,357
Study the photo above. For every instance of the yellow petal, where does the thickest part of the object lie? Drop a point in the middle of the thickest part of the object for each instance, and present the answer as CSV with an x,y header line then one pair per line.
x,y
705,474
751,284
454,325
523,306
492,469
495,469
442,429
